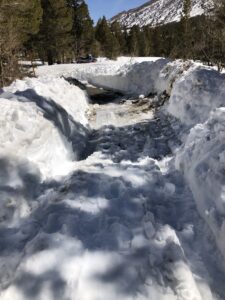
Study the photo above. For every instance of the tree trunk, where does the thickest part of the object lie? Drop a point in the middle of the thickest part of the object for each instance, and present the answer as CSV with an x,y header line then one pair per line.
x,y
50,58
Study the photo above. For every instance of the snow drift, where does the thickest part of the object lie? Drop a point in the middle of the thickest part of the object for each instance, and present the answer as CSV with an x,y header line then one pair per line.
x,y
136,79
198,102
43,121
202,159
71,98
195,94
132,76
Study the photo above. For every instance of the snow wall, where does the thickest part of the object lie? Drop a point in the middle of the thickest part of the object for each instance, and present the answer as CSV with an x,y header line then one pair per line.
x,y
198,101
136,79
43,131
43,122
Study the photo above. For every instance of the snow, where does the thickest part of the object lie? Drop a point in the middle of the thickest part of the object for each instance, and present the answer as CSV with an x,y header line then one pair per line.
x,y
40,142
59,91
103,201
202,161
39,122
160,12
196,94
134,76
135,79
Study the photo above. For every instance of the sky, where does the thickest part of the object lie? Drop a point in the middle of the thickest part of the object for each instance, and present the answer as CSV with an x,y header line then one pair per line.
x,y
109,8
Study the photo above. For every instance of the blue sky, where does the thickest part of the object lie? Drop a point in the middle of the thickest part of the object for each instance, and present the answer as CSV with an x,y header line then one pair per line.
x,y
109,8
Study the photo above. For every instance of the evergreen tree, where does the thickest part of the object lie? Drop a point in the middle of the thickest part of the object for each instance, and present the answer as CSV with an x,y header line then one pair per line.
x,y
157,42
108,41
82,30
18,21
55,33
219,34
133,40
147,41
118,33
144,46
125,34
186,39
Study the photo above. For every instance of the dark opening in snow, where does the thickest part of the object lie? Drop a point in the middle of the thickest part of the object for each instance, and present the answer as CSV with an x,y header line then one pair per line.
x,y
96,95
101,96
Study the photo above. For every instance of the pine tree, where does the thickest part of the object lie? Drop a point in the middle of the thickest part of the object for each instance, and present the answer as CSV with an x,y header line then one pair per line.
x,y
133,41
219,34
82,30
120,40
186,39
108,41
55,33
19,20
146,42
157,43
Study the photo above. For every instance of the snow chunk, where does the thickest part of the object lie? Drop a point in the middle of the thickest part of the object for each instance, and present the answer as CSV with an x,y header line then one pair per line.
x,y
195,94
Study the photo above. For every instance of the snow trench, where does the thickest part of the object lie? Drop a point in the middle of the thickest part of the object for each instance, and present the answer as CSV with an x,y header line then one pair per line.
x,y
98,201
197,100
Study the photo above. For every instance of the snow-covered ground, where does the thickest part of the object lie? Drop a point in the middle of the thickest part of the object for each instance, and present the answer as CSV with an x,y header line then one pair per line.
x,y
120,200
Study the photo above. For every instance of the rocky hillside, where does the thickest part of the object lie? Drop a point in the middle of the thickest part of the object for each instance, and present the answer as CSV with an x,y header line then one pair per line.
x,y
157,12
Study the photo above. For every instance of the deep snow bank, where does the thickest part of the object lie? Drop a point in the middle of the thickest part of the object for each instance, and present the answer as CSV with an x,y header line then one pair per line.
x,y
71,98
198,101
41,121
86,71
128,75
202,159
196,93
140,78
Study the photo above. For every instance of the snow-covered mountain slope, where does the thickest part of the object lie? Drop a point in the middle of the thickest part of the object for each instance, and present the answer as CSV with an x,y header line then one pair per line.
x,y
158,12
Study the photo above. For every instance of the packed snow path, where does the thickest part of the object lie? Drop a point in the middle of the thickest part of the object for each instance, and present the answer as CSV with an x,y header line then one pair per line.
x,y
123,225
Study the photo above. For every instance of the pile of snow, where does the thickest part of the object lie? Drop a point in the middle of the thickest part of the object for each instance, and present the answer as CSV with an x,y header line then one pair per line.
x,y
130,75
198,102
71,98
196,94
85,71
26,133
42,122
111,74
202,159
136,79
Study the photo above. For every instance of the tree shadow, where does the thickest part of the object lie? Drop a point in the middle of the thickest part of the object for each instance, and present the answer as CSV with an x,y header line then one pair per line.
x,y
105,214
153,138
